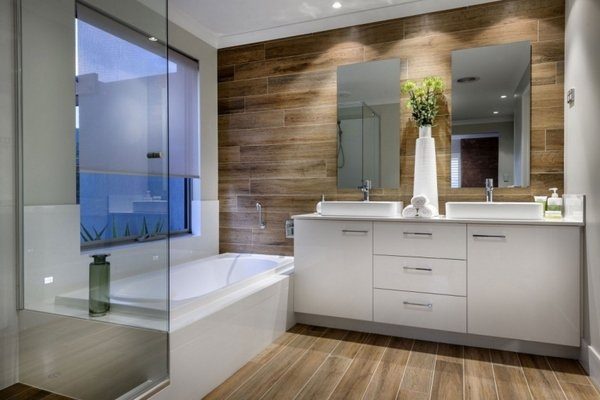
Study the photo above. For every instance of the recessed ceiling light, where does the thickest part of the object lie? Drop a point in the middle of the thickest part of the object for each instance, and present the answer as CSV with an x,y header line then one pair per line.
x,y
468,79
503,96
337,5
153,39
496,112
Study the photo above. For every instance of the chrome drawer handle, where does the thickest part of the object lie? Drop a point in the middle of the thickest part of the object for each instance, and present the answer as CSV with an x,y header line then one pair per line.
x,y
489,236
410,303
418,269
354,231
418,234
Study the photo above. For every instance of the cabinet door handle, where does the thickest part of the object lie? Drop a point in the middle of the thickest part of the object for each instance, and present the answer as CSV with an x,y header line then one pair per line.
x,y
354,231
410,303
422,234
418,269
489,236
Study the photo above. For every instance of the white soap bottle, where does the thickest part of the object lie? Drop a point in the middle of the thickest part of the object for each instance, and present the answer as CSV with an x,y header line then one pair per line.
x,y
555,205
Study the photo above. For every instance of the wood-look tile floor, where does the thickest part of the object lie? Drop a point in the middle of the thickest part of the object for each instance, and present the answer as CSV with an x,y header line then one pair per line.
x,y
18,391
316,363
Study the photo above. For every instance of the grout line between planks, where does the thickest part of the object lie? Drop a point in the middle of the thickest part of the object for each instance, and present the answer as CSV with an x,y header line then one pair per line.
x,y
377,366
493,373
524,376
405,368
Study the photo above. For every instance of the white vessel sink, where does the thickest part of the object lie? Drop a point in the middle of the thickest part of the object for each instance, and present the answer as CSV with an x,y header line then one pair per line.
x,y
482,210
362,208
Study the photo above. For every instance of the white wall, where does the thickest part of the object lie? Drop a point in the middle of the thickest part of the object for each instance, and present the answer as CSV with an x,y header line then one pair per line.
x,y
48,101
582,160
8,313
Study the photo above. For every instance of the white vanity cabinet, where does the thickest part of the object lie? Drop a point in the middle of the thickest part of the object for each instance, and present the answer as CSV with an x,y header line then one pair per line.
x,y
509,280
524,282
333,272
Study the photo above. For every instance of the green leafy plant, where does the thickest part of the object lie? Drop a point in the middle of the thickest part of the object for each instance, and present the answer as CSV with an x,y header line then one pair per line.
x,y
423,99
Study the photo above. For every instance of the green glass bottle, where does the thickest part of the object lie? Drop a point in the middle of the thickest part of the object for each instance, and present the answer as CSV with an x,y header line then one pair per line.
x,y
99,285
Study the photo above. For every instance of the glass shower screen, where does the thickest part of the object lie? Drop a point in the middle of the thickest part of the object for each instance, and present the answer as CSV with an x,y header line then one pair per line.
x,y
95,196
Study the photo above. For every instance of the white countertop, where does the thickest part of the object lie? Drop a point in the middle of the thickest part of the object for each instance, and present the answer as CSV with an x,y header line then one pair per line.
x,y
443,219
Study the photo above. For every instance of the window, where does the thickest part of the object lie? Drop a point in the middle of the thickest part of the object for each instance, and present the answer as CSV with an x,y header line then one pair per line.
x,y
127,189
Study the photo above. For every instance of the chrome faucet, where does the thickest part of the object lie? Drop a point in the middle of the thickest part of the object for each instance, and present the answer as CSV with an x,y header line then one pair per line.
x,y
489,190
261,222
365,187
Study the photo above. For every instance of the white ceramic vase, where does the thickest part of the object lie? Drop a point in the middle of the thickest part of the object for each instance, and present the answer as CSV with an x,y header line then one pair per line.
x,y
425,131
425,182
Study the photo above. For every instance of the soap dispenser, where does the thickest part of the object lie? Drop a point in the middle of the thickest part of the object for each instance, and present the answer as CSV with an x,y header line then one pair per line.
x,y
555,205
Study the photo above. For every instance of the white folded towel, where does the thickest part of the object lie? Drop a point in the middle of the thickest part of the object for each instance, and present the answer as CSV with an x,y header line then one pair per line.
x,y
419,200
409,212
428,211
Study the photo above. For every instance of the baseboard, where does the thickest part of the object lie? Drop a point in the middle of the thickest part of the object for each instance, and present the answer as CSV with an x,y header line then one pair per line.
x,y
463,339
590,359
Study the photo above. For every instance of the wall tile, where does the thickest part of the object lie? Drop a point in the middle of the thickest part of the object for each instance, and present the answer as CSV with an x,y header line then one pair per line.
x,y
302,63
231,105
555,139
543,74
241,54
552,28
263,119
242,88
298,82
279,135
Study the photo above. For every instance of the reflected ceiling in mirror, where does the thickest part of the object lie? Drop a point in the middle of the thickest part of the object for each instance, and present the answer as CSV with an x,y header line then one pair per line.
x,y
491,95
369,124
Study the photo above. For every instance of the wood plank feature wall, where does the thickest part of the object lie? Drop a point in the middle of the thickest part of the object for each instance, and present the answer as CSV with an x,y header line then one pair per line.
x,y
277,111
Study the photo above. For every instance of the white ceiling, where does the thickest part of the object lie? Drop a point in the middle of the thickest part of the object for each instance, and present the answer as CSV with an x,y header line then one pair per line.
x,y
225,23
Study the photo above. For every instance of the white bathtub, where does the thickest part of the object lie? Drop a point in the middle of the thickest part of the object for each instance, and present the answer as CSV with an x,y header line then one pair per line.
x,y
193,286
196,284
227,308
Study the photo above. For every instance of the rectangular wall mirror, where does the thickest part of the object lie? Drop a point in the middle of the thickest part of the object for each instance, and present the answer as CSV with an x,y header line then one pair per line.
x,y
491,101
369,124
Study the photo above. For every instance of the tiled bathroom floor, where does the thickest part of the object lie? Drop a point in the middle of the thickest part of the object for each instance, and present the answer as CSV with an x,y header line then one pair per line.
x,y
19,391
316,363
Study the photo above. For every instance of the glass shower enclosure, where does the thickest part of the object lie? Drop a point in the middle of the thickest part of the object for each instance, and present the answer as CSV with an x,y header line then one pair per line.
x,y
359,145
94,196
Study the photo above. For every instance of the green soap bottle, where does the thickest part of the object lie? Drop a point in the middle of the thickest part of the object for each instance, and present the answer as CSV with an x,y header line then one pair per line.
x,y
554,209
99,300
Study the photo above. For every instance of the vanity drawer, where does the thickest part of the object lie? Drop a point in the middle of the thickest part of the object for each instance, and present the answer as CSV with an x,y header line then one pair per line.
x,y
436,240
431,275
421,310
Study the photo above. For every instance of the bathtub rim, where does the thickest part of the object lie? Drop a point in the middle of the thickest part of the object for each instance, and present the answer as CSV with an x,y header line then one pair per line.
x,y
178,309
